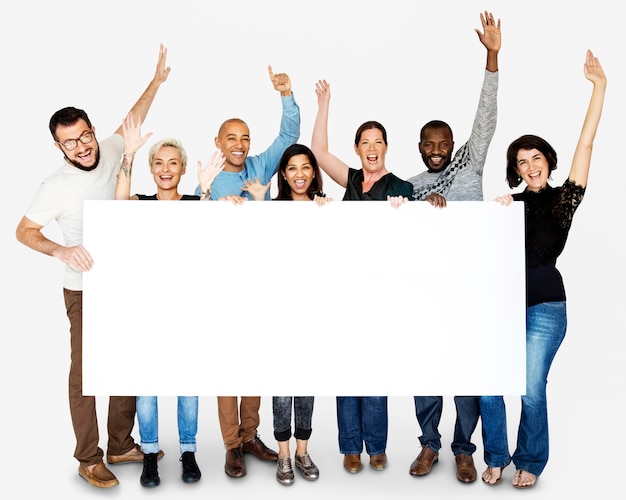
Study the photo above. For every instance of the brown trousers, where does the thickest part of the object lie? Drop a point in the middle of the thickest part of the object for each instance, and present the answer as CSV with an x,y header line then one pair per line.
x,y
234,431
121,416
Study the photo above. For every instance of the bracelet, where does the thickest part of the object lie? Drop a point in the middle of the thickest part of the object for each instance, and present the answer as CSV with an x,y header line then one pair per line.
x,y
205,194
130,154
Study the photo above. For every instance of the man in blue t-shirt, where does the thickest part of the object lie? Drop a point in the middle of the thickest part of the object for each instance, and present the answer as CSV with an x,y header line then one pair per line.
x,y
233,139
239,417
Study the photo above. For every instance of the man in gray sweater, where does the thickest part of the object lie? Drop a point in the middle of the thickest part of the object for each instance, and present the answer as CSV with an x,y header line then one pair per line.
x,y
457,178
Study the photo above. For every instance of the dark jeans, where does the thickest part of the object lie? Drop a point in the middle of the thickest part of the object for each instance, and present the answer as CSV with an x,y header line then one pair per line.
x,y
303,414
428,412
362,419
121,416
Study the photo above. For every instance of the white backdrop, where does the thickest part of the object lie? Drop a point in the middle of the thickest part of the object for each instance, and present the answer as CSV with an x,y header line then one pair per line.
x,y
402,63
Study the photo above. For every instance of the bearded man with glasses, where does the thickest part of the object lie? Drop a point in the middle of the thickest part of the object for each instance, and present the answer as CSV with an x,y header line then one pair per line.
x,y
89,172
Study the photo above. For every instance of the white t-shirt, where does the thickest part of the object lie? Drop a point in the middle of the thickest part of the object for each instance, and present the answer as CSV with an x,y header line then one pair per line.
x,y
60,197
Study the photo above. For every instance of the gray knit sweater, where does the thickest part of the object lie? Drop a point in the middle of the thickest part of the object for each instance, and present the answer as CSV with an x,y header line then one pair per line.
x,y
462,179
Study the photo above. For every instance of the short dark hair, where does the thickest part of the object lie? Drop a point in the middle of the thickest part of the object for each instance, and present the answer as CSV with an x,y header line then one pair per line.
x,y
527,142
284,190
66,117
435,124
367,126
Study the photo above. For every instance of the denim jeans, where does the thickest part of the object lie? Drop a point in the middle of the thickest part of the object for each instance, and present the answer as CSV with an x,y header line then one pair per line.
x,y
362,419
546,325
303,413
428,411
148,419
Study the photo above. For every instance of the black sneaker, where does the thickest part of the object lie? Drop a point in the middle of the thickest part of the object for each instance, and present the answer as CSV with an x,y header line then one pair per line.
x,y
191,471
150,473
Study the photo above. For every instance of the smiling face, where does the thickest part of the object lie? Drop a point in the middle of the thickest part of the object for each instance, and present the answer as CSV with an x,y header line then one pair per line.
x,y
299,175
372,149
167,168
532,166
233,140
436,148
84,156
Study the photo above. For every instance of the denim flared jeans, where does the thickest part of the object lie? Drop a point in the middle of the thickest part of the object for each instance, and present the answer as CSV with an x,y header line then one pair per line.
x,y
546,325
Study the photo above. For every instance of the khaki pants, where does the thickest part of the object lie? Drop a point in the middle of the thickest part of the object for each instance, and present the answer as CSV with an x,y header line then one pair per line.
x,y
236,431
121,417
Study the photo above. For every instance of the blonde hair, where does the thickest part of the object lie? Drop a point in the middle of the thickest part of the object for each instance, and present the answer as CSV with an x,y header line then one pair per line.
x,y
169,142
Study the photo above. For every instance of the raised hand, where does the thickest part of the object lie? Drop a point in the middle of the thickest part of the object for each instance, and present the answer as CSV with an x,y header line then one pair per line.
x,y
131,129
490,37
162,71
281,81
322,91
208,173
593,71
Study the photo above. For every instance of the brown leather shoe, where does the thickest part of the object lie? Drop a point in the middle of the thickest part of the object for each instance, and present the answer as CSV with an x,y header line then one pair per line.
x,y
352,463
378,462
99,476
424,462
235,465
134,455
465,470
257,448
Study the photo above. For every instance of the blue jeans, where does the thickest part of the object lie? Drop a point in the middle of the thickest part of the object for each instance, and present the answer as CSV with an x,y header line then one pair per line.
x,y
148,419
428,412
303,415
546,325
362,419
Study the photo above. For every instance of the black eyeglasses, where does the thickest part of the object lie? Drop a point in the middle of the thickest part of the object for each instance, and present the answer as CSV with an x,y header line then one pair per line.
x,y
71,144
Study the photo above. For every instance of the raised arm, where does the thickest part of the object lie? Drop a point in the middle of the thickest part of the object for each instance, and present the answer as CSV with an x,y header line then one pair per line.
x,y
131,127
142,106
582,155
491,38
333,166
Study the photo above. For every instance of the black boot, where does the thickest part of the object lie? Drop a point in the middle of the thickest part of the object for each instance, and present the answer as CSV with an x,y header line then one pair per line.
x,y
150,473
191,471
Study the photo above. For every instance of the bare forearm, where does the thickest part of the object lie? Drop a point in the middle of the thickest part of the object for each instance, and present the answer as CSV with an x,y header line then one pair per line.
x,y
582,155
34,239
492,61
122,188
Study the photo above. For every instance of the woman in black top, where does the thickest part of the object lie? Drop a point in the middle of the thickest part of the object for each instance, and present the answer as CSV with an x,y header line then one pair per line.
x,y
168,162
548,218
361,420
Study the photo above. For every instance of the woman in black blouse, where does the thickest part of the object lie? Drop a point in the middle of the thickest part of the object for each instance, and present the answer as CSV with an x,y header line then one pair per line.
x,y
360,419
548,215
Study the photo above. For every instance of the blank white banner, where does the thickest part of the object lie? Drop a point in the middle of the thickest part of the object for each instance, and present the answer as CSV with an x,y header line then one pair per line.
x,y
353,298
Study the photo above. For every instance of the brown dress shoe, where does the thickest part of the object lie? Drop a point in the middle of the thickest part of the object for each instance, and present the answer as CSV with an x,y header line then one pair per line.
x,y
424,462
352,463
378,462
132,456
257,448
235,465
99,476
465,470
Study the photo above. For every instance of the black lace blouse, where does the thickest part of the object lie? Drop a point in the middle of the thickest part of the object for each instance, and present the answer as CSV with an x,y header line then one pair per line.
x,y
548,218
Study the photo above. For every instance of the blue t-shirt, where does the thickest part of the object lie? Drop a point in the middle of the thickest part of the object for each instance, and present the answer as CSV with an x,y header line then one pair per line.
x,y
264,165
